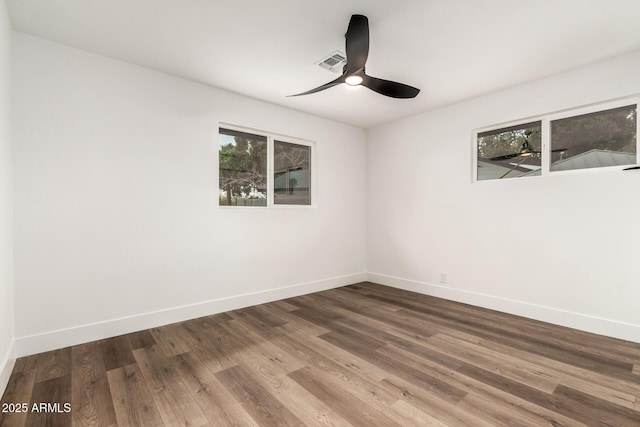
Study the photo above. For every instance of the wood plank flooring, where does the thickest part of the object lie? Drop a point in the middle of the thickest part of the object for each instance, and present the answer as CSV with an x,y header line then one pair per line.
x,y
361,355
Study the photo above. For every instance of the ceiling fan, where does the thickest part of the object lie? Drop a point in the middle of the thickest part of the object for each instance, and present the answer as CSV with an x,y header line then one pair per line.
x,y
353,73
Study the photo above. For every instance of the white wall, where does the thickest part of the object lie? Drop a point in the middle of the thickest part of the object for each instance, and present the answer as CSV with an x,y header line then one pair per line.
x,y
6,204
562,249
117,224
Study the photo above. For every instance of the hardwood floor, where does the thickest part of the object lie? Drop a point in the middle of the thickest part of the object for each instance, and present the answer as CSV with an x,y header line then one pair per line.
x,y
362,355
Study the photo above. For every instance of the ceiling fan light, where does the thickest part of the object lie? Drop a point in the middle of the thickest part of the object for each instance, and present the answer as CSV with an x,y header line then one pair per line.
x,y
354,80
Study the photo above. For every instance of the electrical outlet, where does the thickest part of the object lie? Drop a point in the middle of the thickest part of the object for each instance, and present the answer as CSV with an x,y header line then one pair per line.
x,y
443,277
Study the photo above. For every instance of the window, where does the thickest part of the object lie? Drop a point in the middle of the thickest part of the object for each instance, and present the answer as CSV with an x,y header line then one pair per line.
x,y
255,169
598,136
600,139
242,158
291,174
510,152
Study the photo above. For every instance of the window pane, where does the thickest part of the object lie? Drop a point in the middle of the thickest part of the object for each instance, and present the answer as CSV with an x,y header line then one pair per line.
x,y
243,168
605,138
292,174
509,152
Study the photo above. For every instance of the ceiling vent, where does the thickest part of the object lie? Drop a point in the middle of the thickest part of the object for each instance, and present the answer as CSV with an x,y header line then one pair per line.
x,y
333,62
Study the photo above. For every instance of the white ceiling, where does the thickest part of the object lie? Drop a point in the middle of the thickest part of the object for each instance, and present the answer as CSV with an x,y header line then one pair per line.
x,y
266,49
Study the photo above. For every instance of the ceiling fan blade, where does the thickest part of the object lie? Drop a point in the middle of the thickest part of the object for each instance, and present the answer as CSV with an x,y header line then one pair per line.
x,y
559,150
389,88
323,87
505,157
357,43
357,46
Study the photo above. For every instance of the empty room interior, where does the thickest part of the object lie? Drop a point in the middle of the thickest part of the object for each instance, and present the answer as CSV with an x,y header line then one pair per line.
x,y
290,212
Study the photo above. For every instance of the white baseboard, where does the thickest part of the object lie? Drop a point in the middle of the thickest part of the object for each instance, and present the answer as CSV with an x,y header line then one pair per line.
x,y
581,321
56,339
6,366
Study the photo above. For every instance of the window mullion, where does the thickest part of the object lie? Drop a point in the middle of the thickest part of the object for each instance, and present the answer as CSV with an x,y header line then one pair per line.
x,y
637,101
545,146
270,169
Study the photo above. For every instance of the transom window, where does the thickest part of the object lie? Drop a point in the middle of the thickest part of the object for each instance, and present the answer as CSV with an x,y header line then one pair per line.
x,y
599,139
596,137
259,169
510,152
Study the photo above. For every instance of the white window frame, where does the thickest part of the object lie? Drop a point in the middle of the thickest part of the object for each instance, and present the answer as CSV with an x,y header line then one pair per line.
x,y
545,130
515,123
271,138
